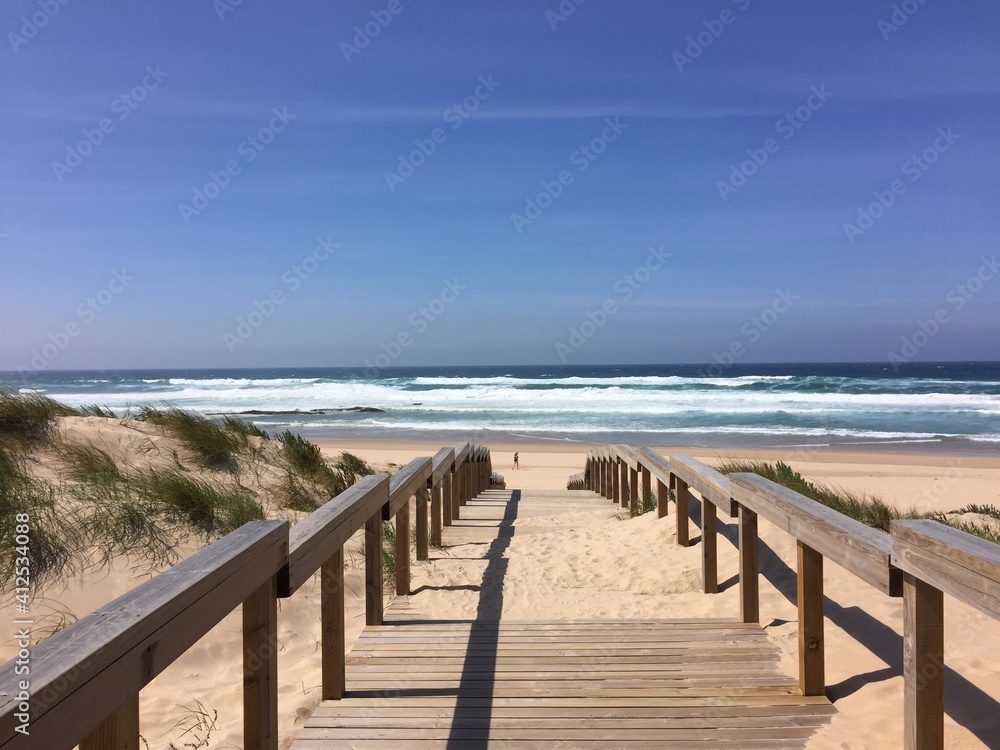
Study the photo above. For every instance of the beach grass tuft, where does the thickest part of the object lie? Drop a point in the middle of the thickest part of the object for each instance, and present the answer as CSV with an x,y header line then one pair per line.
x,y
211,509
869,509
213,446
93,410
29,417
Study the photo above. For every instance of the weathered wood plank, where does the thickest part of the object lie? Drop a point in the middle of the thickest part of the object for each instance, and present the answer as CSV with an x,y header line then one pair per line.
x,y
709,483
923,665
260,668
963,566
313,539
812,665
404,483
84,673
851,544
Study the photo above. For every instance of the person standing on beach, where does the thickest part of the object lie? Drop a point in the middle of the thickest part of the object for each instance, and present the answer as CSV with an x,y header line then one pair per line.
x,y
515,466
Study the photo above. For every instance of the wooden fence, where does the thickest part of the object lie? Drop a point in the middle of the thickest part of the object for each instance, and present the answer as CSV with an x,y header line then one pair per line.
x,y
84,682
918,560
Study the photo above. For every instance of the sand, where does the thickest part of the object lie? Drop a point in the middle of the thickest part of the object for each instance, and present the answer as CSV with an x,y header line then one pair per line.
x,y
591,564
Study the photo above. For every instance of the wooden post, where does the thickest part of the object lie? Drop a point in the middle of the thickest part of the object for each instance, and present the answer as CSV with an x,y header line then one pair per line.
x,y
623,479
260,668
333,626
374,596
420,498
447,512
923,665
456,491
709,547
403,550
633,482
436,514
662,499
605,485
749,585
812,668
683,533
120,731
647,490
616,490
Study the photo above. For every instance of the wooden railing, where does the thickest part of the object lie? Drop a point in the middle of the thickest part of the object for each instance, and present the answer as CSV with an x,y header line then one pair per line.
x,y
84,682
918,561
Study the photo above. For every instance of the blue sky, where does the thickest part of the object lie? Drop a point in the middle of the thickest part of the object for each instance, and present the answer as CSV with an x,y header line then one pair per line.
x,y
693,90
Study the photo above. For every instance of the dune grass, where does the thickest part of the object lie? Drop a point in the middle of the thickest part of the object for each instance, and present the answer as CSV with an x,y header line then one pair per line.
x,y
88,463
305,463
93,410
29,417
869,509
52,534
243,428
213,446
214,510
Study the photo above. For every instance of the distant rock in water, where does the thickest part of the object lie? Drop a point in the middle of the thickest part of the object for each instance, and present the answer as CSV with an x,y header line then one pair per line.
x,y
358,409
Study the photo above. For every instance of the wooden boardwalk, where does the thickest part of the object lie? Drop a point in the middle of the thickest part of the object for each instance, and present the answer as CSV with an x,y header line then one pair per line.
x,y
416,682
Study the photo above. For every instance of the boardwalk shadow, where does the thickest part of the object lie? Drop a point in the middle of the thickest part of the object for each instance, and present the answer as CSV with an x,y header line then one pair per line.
x,y
471,723
965,702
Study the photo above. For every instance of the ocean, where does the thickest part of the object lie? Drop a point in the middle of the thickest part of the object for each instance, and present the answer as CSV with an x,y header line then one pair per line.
x,y
953,407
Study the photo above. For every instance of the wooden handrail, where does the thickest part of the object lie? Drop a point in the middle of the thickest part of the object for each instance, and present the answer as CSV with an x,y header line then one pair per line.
x,y
935,560
851,544
85,680
85,673
328,528
920,560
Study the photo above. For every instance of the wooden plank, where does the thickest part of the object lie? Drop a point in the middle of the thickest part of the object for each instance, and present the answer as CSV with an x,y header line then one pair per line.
x,y
708,482
312,539
657,465
812,667
120,731
260,668
626,491
83,673
923,665
462,452
442,464
960,564
333,627
851,544
404,483
628,456
374,596
709,548
749,581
